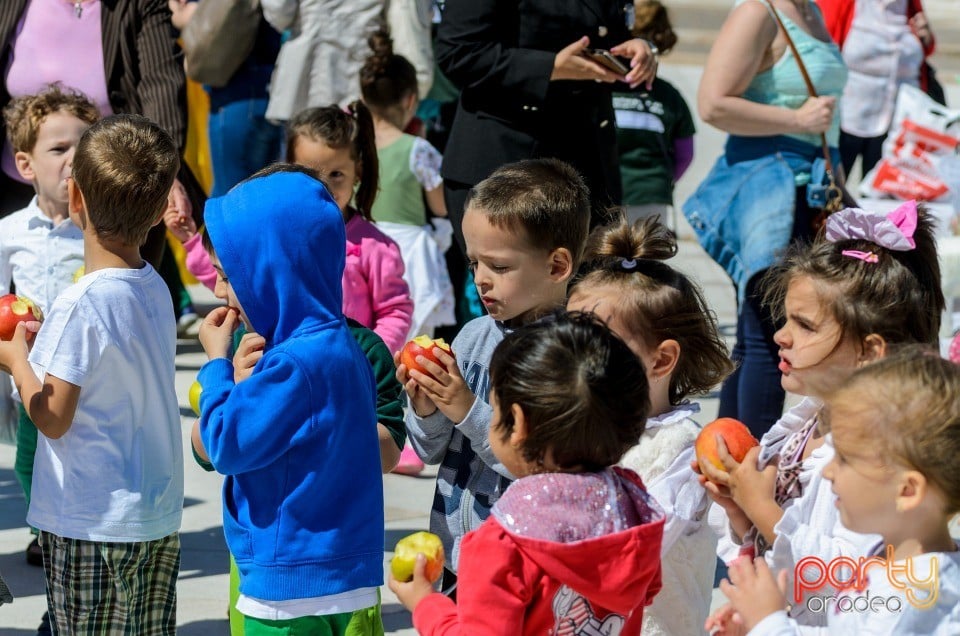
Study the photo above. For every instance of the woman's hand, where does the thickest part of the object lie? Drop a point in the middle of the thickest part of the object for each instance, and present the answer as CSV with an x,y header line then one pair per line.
x,y
180,12
643,62
816,115
570,64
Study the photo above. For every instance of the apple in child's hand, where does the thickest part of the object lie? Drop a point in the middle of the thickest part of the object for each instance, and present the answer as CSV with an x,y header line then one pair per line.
x,y
735,435
14,310
405,556
193,396
423,346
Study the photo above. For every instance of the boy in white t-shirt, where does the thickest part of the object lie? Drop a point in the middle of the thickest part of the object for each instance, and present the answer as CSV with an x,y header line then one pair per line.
x,y
99,385
41,250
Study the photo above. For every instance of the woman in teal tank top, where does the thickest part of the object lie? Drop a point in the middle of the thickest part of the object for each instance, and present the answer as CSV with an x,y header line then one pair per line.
x,y
753,203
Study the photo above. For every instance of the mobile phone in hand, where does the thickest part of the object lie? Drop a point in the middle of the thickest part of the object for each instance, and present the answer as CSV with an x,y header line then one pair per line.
x,y
607,60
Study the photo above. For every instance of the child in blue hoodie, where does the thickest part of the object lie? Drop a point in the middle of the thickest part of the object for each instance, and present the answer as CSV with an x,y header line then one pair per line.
x,y
307,537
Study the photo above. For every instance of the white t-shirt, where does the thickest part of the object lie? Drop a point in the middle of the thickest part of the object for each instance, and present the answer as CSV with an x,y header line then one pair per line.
x,y
117,473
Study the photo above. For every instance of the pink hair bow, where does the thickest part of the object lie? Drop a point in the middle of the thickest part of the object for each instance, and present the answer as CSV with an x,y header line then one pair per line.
x,y
893,231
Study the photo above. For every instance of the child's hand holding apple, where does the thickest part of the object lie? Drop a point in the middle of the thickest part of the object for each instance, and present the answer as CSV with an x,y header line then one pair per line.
x,y
428,371
417,564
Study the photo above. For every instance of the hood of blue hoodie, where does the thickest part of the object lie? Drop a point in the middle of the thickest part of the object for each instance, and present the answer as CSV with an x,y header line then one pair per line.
x,y
287,279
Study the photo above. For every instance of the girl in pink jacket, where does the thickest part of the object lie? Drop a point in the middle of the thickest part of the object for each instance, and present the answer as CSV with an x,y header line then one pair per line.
x,y
341,146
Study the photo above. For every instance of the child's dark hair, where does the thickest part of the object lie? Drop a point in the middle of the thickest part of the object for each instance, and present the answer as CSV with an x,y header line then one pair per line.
x,y
338,128
898,297
547,199
24,115
125,166
583,393
917,420
658,303
266,171
386,79
652,22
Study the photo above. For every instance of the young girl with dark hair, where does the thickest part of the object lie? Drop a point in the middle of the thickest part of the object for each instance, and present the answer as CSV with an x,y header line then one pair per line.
x,y
573,545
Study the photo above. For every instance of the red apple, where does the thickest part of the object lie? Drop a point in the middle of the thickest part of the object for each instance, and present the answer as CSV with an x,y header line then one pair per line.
x,y
735,435
405,556
16,309
423,346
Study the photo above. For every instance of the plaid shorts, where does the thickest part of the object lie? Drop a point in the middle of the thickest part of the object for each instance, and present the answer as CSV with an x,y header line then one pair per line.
x,y
100,589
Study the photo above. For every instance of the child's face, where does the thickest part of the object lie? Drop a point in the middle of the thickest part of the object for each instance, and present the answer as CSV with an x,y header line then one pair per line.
x,y
866,489
224,291
513,278
336,166
604,302
50,163
509,455
811,343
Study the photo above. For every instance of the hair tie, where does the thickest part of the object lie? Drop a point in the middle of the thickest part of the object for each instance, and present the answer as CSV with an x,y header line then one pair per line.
x,y
893,231
866,257
628,264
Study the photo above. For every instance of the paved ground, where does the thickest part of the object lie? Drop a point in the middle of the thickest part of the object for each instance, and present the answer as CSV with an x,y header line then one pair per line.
x,y
203,579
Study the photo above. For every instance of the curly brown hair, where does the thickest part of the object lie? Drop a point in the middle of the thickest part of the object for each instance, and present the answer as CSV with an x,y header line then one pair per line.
x,y
24,115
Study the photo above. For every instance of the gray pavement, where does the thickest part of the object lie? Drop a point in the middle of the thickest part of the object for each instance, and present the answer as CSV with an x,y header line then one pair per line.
x,y
203,579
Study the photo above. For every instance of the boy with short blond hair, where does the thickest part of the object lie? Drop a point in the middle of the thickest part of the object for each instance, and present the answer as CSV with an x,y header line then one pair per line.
x,y
41,250
99,385
525,228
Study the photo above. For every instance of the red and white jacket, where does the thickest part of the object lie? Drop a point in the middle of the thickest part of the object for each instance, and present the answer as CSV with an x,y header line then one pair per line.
x,y
561,554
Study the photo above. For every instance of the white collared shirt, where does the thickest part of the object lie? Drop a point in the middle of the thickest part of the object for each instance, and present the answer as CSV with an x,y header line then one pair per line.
x,y
41,259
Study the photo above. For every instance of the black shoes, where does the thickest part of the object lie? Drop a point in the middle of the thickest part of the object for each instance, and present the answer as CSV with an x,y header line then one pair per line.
x,y
35,553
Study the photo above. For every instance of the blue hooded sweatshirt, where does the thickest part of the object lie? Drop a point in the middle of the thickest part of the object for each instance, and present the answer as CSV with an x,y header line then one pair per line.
x,y
297,440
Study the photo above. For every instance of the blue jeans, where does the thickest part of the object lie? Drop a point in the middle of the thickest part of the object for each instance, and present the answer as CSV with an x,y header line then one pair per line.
x,y
753,394
241,142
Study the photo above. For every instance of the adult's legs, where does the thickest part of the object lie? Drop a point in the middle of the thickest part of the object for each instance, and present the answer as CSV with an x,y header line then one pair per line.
x,y
753,393
851,147
455,197
242,141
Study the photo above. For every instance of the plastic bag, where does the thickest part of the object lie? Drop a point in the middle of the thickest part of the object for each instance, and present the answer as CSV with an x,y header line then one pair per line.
x,y
921,134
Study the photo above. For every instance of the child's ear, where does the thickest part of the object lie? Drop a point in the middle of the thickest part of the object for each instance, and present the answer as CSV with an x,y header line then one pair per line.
x,y
75,203
24,163
519,433
913,489
665,359
561,264
873,348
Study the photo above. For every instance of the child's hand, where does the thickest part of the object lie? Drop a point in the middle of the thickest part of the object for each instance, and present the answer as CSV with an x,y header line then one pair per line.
x,y
725,622
216,332
178,216
740,523
743,482
421,404
248,354
753,591
446,389
415,590
16,350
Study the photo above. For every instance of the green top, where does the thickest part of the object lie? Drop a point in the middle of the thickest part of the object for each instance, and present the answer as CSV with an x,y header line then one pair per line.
x,y
389,390
400,199
648,124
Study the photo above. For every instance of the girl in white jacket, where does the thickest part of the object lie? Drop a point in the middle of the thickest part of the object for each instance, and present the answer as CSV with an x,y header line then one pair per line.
x,y
664,319
896,432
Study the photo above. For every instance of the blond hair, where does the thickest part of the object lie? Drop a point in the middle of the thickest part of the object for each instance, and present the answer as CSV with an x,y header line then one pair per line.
x,y
23,116
124,167
912,400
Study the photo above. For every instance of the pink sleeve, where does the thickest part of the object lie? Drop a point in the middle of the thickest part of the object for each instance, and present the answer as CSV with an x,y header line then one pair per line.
x,y
390,301
198,262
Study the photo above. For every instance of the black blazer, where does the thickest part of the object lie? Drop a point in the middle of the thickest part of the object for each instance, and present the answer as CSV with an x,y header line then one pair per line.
x,y
500,54
141,57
